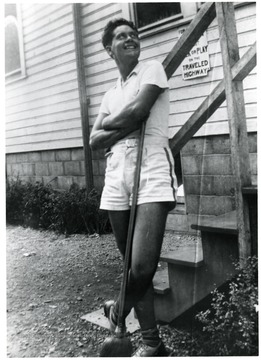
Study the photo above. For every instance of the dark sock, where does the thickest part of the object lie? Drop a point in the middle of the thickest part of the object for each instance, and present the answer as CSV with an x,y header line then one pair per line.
x,y
151,337
114,315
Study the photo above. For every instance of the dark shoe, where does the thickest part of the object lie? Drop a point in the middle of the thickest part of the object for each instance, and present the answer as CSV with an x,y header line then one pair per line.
x,y
108,308
149,351
108,311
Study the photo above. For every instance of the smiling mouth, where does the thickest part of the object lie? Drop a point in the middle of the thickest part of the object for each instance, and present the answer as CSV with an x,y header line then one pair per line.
x,y
132,47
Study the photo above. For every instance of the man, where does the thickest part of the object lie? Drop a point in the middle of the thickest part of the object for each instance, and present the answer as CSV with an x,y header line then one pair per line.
x,y
140,94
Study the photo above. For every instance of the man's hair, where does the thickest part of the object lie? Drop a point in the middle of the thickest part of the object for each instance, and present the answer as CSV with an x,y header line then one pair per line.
x,y
107,34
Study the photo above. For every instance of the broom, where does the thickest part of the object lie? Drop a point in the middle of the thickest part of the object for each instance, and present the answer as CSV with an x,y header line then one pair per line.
x,y
119,345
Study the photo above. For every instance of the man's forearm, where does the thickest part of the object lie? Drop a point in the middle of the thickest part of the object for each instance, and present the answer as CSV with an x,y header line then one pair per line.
x,y
102,139
129,116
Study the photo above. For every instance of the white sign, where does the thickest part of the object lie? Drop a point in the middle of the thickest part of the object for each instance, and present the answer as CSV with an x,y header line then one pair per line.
x,y
196,63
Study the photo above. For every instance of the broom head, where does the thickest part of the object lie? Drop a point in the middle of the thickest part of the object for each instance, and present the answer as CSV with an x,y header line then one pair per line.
x,y
116,346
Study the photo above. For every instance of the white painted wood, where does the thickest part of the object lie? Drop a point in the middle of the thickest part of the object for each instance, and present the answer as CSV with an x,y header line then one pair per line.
x,y
49,94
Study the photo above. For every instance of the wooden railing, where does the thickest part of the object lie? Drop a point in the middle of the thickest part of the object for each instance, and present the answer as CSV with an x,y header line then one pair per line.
x,y
231,89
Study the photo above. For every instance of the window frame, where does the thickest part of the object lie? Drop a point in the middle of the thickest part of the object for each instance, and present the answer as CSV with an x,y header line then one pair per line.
x,y
156,23
188,11
20,73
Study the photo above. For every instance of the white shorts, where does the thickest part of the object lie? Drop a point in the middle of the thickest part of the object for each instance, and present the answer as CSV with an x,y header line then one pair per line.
x,y
158,182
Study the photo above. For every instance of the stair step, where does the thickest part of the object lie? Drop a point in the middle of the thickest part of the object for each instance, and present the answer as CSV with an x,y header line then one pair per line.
x,y
190,256
250,190
225,223
161,282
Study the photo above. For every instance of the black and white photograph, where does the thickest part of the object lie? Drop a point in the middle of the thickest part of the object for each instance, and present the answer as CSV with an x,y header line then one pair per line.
x,y
130,179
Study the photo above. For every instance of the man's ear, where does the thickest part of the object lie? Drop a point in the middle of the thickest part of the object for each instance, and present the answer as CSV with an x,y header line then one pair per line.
x,y
109,51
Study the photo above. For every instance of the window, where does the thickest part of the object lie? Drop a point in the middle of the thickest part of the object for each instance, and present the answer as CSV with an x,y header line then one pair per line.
x,y
14,54
149,13
148,16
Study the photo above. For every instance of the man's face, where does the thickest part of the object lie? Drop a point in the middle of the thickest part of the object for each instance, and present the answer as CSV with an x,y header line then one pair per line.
x,y
125,44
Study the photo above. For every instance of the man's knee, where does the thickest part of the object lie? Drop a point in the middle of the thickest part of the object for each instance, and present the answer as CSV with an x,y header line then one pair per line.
x,y
142,273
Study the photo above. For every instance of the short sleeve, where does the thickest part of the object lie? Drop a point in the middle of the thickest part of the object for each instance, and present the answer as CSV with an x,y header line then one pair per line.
x,y
154,74
104,108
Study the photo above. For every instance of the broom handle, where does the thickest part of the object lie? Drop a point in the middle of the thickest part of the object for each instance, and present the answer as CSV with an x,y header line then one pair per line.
x,y
131,229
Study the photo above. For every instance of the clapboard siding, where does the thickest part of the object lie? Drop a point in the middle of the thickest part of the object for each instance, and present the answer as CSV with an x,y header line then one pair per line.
x,y
65,116
46,109
45,136
55,20
34,12
49,93
71,142
185,96
101,72
43,110
53,77
45,101
56,90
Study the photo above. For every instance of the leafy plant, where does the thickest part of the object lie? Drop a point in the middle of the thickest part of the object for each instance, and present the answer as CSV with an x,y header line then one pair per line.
x,y
231,325
40,206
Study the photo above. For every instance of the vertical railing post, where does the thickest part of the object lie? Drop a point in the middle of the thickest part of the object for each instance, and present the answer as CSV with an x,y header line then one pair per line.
x,y
83,97
237,122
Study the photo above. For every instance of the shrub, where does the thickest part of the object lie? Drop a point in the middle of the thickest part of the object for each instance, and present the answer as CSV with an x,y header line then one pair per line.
x,y
40,206
15,191
231,325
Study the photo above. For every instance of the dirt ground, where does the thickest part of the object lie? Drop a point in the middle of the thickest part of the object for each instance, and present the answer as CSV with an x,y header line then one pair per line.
x,y
52,281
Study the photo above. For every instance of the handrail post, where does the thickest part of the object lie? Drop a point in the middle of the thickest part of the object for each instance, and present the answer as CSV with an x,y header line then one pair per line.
x,y
83,97
237,123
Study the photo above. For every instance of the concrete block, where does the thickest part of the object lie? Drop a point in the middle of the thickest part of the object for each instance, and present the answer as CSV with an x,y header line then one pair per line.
x,y
34,157
82,168
16,169
63,155
8,169
11,158
22,157
207,165
98,154
98,182
102,166
77,154
26,179
253,163
56,168
207,145
79,180
252,142
28,169
209,205
209,185
41,169
64,182
177,222
95,167
50,180
38,179
72,168
48,156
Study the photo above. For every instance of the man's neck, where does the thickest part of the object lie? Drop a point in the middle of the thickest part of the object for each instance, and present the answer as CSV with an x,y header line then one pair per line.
x,y
126,69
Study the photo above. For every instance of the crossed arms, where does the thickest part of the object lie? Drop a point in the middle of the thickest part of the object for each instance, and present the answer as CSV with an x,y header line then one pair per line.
x,y
108,129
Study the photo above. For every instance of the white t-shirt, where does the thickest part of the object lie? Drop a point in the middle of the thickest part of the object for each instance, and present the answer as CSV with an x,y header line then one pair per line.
x,y
151,72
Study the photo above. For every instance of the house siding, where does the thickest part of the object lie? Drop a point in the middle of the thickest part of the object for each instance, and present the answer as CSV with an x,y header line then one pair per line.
x,y
43,119
42,110
207,173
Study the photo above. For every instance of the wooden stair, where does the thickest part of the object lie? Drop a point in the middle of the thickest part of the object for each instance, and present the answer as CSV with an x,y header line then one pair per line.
x,y
180,278
232,236
193,272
